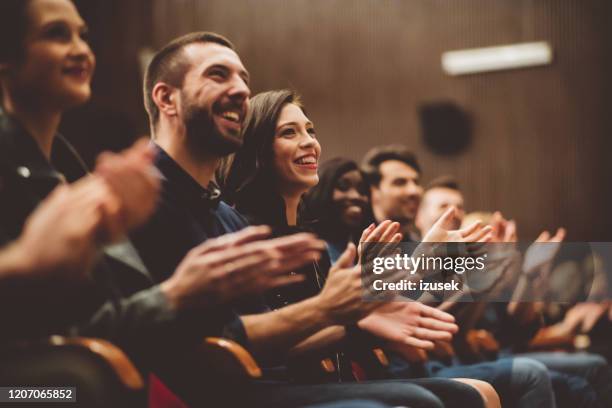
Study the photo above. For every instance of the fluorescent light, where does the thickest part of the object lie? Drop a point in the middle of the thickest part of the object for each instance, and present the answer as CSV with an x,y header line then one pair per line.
x,y
512,56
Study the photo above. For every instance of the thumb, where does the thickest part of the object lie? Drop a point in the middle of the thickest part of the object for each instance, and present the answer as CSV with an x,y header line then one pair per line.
x,y
347,258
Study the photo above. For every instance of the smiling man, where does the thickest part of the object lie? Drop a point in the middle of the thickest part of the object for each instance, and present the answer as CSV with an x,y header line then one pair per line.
x,y
393,173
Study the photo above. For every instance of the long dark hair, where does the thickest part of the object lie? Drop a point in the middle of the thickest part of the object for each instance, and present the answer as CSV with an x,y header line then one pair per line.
x,y
14,23
248,178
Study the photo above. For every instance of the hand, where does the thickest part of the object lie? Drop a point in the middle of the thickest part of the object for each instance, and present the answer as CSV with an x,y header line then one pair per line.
x,y
503,230
583,316
341,299
59,237
541,253
238,265
440,231
410,323
134,181
380,240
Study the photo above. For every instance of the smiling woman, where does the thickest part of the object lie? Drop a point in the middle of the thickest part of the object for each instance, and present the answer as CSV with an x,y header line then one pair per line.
x,y
278,161
338,206
47,67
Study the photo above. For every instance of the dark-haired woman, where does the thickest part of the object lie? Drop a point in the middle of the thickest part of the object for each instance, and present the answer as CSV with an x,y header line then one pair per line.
x,y
266,181
338,206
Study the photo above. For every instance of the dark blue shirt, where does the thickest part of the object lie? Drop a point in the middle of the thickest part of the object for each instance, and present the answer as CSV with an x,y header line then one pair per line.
x,y
187,215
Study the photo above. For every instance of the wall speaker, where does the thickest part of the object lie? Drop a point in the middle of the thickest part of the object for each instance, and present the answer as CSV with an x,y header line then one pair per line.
x,y
445,127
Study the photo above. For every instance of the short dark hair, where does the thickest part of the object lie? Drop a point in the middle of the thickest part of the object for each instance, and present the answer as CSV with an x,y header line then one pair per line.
x,y
371,162
445,181
14,22
169,65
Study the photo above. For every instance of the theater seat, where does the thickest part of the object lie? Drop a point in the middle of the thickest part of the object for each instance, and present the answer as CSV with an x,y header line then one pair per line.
x,y
101,372
547,339
229,359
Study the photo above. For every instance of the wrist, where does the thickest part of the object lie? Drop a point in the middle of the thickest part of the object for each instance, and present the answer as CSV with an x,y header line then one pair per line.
x,y
18,261
322,311
173,293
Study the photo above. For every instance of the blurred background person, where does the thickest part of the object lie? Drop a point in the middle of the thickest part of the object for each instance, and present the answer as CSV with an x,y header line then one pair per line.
x,y
338,206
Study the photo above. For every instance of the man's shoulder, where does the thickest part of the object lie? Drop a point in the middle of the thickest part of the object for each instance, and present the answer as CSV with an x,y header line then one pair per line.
x,y
231,217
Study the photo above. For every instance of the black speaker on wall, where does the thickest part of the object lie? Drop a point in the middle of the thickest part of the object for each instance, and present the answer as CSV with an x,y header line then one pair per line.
x,y
445,126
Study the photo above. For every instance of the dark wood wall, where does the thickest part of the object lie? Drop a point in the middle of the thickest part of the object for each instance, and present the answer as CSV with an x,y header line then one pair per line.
x,y
540,136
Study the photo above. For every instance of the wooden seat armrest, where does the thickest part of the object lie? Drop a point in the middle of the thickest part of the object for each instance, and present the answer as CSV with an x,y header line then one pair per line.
x,y
409,353
231,357
482,341
118,361
381,357
546,339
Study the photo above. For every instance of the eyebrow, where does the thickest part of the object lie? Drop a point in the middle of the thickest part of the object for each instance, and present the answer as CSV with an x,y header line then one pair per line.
x,y
243,72
294,124
82,26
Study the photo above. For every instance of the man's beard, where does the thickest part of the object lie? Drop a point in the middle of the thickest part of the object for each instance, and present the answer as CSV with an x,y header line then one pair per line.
x,y
203,136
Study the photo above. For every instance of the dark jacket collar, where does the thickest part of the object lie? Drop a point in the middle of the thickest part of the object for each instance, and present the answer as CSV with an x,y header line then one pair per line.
x,y
23,155
183,184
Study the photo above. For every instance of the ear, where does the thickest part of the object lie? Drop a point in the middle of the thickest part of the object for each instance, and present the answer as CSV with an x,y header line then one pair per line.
x,y
165,97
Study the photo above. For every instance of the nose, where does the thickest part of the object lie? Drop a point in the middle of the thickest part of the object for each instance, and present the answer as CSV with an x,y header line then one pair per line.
x,y
354,194
414,189
239,91
307,141
81,49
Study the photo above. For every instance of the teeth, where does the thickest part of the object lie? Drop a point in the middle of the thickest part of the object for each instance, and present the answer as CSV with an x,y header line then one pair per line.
x,y
233,116
306,160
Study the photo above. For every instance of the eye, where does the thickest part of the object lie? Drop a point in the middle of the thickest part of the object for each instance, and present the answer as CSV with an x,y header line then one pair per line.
x,y
58,32
287,132
362,189
343,185
217,73
84,34
312,132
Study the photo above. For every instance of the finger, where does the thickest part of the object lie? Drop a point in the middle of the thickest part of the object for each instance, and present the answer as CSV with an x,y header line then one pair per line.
x,y
366,232
434,335
543,237
446,218
591,319
279,248
438,314
434,324
471,229
250,234
296,241
498,224
378,231
258,264
479,234
284,280
559,236
486,238
243,236
389,232
297,261
510,235
419,343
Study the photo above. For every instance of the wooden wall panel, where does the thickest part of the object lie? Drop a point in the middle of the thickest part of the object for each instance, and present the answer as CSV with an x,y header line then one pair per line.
x,y
540,135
